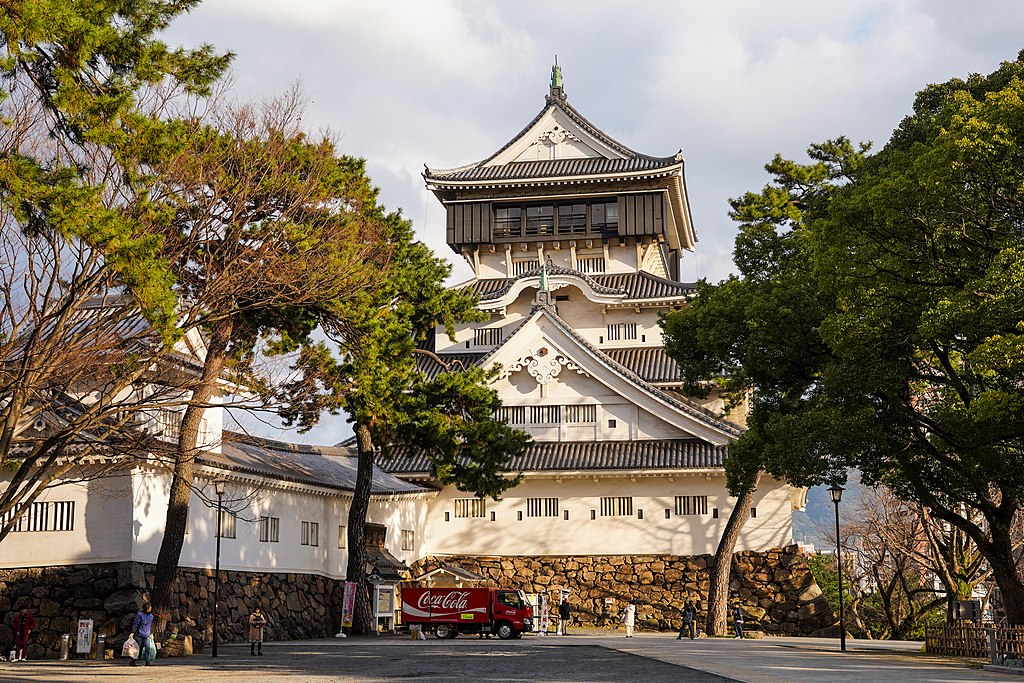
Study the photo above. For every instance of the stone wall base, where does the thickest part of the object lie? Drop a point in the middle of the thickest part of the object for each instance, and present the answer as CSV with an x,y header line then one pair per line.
x,y
297,606
775,588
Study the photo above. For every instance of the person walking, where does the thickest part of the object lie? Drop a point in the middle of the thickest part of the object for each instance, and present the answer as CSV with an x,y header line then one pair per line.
x,y
23,624
686,627
256,624
143,626
628,618
563,618
737,621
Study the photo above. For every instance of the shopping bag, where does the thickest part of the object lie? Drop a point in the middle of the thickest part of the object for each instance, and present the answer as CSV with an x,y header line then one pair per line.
x,y
130,649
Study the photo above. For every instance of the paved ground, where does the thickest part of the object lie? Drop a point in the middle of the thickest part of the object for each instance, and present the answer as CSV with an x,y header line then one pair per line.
x,y
577,658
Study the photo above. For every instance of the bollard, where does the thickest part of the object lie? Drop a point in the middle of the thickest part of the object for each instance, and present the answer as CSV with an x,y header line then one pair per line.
x,y
101,646
65,646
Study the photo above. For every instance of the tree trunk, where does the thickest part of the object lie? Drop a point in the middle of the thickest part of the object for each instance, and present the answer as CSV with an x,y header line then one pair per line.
x,y
718,590
362,618
1001,559
181,484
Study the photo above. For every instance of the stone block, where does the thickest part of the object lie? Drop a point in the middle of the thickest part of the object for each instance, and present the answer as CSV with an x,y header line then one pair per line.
x,y
131,575
123,601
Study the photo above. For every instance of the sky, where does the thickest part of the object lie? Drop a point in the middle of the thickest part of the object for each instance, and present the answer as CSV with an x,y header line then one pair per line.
x,y
408,83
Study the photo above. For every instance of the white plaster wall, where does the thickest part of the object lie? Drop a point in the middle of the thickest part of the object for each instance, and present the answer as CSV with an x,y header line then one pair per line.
x,y
102,529
581,535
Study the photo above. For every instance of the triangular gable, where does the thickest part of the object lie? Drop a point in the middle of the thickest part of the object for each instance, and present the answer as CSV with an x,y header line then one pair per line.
x,y
546,346
554,135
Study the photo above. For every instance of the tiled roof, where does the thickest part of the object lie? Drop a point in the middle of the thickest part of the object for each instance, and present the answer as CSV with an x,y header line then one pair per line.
x,y
325,466
634,286
571,456
649,362
553,168
430,368
524,170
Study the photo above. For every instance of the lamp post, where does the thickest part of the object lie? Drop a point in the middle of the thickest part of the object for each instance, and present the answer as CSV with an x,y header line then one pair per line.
x,y
836,491
218,486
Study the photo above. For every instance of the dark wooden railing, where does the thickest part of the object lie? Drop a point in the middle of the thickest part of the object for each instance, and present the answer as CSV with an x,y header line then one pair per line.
x,y
972,640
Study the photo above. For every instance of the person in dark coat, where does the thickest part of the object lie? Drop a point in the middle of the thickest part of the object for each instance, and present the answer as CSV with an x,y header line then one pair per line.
x,y
23,624
143,626
737,621
686,627
563,618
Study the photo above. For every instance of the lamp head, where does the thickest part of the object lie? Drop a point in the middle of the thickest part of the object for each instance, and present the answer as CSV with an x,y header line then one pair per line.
x,y
219,486
836,491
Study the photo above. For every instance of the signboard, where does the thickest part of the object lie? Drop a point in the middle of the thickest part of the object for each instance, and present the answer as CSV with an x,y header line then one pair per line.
x,y
83,642
348,604
543,613
445,604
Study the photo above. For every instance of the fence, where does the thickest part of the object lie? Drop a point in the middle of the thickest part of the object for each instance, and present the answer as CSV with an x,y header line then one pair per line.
x,y
997,643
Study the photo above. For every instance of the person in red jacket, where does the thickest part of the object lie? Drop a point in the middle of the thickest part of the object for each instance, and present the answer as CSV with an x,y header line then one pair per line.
x,y
23,625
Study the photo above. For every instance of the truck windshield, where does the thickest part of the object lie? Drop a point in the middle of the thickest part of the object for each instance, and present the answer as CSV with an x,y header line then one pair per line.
x,y
510,599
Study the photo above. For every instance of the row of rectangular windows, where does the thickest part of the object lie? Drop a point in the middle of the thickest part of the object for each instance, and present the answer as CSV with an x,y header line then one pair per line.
x,y
270,532
492,336
610,506
573,414
567,218
592,265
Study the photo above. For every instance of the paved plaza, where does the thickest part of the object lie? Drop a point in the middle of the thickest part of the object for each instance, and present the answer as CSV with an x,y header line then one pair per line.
x,y
577,658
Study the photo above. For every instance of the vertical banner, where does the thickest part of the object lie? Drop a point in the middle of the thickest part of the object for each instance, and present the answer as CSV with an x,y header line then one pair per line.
x,y
83,642
543,614
348,604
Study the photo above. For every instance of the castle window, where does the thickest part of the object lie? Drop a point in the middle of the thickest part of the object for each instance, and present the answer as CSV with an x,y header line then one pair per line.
x,y
545,414
508,221
513,415
604,217
585,414
620,331
270,529
43,516
342,536
541,507
591,264
408,539
540,220
691,505
310,533
572,219
523,266
487,336
470,507
228,521
616,506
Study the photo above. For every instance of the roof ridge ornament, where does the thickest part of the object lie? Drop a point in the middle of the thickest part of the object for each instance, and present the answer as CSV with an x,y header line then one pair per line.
x,y
556,92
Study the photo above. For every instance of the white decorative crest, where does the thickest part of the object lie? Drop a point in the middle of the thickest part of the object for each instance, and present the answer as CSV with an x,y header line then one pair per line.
x,y
543,365
557,135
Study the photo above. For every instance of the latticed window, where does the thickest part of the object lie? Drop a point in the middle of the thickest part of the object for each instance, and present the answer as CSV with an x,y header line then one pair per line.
x,y
545,414
616,506
168,424
540,220
408,539
604,216
270,529
620,331
227,524
524,266
541,507
470,507
487,336
691,505
310,533
43,516
513,415
591,264
572,219
508,221
581,414
342,536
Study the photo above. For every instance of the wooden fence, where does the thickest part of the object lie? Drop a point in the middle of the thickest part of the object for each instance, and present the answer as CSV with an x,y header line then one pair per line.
x,y
972,640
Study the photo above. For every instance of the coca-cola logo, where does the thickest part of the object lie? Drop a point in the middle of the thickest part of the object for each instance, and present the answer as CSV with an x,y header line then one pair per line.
x,y
454,600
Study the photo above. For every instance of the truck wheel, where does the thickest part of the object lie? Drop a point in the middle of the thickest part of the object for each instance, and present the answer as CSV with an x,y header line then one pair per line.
x,y
505,630
443,631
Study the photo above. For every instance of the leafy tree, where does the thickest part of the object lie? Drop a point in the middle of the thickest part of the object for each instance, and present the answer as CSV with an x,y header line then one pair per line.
x,y
757,335
904,328
268,233
374,380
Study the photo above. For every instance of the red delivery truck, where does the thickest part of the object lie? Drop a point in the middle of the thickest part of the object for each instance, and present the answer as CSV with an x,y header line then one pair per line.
x,y
451,611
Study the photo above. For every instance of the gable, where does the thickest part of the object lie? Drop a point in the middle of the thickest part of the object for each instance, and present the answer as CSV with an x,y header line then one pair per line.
x,y
554,135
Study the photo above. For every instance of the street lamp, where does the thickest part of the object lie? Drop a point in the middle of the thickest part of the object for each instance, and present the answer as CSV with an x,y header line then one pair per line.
x,y
218,486
836,491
